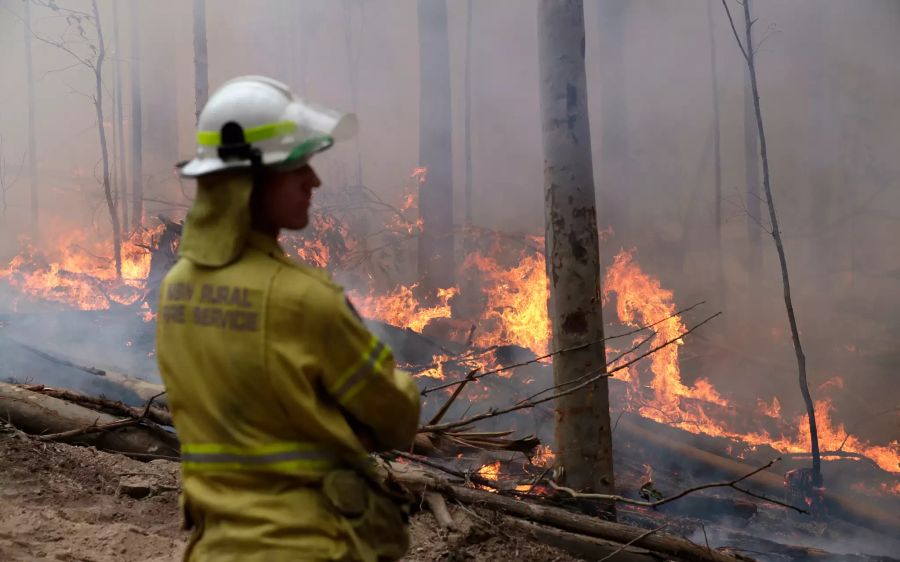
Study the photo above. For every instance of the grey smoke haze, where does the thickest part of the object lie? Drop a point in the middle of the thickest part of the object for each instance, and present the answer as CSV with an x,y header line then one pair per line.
x,y
829,82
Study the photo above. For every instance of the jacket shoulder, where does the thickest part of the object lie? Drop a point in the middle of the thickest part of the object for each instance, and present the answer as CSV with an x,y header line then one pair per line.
x,y
309,288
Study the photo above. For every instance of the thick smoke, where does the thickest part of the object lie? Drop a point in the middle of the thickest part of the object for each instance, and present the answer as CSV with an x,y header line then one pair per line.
x,y
828,83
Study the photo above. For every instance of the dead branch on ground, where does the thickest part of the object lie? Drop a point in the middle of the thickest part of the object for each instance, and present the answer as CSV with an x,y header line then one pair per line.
x,y
592,377
729,484
104,427
668,545
154,414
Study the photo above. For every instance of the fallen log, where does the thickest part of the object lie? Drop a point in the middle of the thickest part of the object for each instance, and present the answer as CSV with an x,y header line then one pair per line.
x,y
37,414
124,387
590,548
420,481
113,407
144,389
769,483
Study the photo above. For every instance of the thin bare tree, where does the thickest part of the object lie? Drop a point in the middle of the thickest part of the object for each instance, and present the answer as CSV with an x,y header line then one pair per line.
x,y
748,51
583,435
88,48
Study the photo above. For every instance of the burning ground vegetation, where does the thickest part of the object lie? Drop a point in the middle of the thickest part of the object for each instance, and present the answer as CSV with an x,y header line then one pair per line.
x,y
71,327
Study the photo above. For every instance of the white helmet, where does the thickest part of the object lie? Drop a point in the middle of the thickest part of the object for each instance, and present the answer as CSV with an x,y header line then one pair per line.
x,y
254,119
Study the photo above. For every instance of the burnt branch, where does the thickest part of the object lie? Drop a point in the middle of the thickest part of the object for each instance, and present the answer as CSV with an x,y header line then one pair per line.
x,y
592,376
95,427
733,484
442,386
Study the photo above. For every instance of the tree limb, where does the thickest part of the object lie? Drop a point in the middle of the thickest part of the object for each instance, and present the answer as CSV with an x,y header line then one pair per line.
x,y
729,484
442,386
597,375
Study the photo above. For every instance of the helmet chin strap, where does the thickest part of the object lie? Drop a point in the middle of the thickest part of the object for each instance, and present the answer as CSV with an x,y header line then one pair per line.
x,y
235,147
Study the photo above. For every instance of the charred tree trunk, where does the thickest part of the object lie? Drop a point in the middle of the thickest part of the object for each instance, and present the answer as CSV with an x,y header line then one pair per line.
x,y
583,431
749,56
717,155
751,177
201,64
435,243
121,179
32,155
104,150
137,159
614,153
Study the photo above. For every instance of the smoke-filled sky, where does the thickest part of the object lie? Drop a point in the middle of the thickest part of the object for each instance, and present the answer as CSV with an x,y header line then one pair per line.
x,y
829,77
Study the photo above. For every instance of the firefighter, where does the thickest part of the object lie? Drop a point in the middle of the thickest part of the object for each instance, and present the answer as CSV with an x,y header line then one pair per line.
x,y
277,390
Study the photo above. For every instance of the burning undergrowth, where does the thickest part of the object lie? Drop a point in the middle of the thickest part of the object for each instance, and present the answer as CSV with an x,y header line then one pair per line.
x,y
496,316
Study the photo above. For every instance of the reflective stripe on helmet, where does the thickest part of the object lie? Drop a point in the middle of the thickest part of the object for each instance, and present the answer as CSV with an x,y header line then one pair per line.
x,y
354,378
277,457
251,135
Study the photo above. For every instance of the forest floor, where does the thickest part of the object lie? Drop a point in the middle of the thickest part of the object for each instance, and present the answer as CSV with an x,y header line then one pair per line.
x,y
61,502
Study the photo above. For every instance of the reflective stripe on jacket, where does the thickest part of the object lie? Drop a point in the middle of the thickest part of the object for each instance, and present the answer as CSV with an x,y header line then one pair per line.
x,y
267,368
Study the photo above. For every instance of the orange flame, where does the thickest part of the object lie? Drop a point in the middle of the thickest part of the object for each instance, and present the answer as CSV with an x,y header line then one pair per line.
x,y
640,299
79,271
490,471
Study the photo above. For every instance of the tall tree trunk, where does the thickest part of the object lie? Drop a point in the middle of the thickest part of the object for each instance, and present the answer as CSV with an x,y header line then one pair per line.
x,y
583,433
137,156
201,64
435,243
615,188
32,153
751,176
121,180
717,156
104,151
749,55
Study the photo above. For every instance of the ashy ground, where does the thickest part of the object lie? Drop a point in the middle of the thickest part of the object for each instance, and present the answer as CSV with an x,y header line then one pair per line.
x,y
60,502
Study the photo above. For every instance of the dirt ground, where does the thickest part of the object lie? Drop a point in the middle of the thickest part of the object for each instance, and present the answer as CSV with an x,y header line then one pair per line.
x,y
60,502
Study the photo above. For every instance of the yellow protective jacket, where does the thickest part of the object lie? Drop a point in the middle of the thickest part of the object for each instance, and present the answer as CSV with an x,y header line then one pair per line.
x,y
267,367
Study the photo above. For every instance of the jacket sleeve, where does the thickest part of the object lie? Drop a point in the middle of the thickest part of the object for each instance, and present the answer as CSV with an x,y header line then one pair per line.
x,y
358,372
